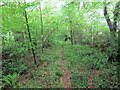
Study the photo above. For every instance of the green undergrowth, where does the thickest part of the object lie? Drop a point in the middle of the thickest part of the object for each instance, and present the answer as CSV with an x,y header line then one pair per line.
x,y
48,73
80,59
83,60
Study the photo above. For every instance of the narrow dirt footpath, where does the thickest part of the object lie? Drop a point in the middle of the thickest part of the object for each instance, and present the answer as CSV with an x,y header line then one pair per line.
x,y
66,72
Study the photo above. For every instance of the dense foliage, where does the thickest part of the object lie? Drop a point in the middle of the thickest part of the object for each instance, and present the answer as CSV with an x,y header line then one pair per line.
x,y
37,36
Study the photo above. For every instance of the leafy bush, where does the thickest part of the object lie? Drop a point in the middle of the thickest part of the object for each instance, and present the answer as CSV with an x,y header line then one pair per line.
x,y
79,80
11,66
17,50
82,58
10,80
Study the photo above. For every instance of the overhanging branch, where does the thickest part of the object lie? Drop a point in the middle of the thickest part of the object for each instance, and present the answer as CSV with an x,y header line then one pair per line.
x,y
52,31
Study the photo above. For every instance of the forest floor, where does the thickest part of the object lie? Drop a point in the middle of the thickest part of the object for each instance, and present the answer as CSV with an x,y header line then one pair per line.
x,y
66,72
67,75
68,67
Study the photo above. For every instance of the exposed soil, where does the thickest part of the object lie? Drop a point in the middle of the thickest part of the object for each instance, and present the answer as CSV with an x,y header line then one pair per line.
x,y
92,79
66,72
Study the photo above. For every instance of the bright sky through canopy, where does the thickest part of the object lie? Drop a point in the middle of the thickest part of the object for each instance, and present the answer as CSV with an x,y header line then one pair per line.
x,y
64,0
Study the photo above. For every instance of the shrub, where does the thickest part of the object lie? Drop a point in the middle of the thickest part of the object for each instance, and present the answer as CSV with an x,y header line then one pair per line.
x,y
10,80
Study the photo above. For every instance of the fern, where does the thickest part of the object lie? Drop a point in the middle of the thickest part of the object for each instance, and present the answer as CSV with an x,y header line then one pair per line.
x,y
10,79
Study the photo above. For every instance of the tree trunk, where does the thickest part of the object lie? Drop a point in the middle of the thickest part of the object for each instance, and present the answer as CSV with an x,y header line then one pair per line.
x,y
42,37
118,15
26,18
20,38
118,53
113,29
71,37
71,33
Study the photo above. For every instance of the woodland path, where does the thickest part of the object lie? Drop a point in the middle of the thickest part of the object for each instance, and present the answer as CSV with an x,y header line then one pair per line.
x,y
65,70
66,74
27,80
